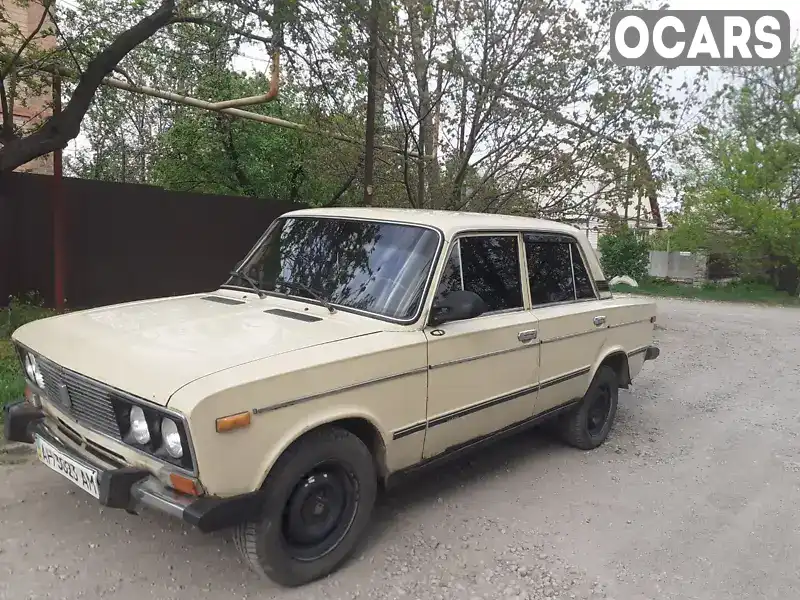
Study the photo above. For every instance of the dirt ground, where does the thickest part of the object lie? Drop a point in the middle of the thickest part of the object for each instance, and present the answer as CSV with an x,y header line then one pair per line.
x,y
694,496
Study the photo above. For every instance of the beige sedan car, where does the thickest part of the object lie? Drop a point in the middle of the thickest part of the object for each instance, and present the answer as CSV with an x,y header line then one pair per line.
x,y
348,347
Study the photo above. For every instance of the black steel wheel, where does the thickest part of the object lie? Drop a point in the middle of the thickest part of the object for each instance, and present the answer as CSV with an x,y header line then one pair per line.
x,y
318,500
599,410
587,426
320,511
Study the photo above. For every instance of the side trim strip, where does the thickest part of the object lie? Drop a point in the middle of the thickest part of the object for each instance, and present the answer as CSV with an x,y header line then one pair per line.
x,y
492,402
258,411
563,378
463,412
454,451
572,335
641,350
459,361
629,323
411,429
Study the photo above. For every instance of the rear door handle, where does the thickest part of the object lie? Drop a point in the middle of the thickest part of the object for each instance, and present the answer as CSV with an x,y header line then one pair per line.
x,y
599,320
527,336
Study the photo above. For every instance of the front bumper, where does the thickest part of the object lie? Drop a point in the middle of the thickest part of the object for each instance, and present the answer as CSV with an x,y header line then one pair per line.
x,y
131,488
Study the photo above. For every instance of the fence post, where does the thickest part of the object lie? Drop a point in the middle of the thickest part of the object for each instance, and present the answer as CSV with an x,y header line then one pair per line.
x,y
700,269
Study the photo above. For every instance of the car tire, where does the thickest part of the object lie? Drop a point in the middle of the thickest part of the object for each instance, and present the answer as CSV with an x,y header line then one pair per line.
x,y
334,471
587,426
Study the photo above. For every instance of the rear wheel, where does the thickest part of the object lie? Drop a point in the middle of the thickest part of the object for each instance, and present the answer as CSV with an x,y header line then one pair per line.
x,y
587,426
318,502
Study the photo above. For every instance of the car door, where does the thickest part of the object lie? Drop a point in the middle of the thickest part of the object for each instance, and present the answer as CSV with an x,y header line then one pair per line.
x,y
482,371
572,326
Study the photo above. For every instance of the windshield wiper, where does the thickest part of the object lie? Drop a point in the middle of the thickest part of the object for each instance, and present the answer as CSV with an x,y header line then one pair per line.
x,y
249,280
316,294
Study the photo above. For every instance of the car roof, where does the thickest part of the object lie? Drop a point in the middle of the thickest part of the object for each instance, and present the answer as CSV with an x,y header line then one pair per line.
x,y
450,222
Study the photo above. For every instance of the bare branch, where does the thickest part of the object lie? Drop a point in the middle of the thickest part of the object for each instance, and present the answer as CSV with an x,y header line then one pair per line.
x,y
12,62
205,21
60,129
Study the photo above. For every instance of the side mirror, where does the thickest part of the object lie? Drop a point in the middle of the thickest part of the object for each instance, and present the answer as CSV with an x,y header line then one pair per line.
x,y
457,306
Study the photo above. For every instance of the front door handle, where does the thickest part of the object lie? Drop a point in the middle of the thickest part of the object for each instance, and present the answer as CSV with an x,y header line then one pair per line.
x,y
598,321
527,336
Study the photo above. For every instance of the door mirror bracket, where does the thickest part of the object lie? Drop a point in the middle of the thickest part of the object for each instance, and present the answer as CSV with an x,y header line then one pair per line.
x,y
457,306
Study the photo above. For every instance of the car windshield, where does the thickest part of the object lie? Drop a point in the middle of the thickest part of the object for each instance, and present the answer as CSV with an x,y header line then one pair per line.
x,y
370,266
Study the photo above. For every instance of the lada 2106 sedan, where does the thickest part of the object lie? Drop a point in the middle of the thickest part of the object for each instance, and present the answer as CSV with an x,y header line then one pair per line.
x,y
349,346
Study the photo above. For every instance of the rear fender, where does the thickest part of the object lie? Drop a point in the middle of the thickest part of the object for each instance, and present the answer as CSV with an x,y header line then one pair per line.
x,y
618,358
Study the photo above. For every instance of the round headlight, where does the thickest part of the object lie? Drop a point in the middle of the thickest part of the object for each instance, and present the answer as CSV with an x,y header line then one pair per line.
x,y
172,438
37,373
139,428
30,369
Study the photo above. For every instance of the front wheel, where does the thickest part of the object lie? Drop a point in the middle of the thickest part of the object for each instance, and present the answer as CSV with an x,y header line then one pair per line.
x,y
318,501
588,425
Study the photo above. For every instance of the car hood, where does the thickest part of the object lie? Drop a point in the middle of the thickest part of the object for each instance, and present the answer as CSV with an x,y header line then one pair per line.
x,y
152,348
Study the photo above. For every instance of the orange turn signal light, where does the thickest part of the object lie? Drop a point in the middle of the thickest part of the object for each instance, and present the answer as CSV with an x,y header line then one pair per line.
x,y
231,422
182,484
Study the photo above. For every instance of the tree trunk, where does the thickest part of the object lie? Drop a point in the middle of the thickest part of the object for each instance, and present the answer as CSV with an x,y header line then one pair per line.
x,y
424,116
372,82
60,129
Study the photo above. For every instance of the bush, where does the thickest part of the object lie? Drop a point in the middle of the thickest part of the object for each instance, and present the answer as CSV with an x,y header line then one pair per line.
x,y
623,253
20,311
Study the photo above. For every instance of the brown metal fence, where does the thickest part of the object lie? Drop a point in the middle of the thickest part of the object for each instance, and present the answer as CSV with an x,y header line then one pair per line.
x,y
122,242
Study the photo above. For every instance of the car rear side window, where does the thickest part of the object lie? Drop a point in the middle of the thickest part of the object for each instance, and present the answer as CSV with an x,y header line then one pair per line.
x,y
583,285
487,265
556,270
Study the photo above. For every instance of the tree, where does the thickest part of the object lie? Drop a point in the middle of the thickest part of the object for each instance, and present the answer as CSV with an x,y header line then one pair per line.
x,y
213,153
743,166
622,252
120,130
107,47
521,94
512,104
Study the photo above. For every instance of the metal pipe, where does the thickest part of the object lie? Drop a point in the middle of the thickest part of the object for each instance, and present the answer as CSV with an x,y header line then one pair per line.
x,y
234,112
271,94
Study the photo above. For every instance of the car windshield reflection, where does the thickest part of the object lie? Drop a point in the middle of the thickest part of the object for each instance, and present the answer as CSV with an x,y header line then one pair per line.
x,y
375,267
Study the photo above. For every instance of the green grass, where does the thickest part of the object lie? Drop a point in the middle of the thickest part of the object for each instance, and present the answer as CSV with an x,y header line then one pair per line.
x,y
11,384
20,312
754,293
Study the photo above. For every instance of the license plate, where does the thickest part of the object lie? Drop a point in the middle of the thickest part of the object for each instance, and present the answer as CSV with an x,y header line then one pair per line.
x,y
82,476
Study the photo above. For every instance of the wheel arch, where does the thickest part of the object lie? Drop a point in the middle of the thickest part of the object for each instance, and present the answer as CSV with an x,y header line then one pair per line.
x,y
617,359
361,424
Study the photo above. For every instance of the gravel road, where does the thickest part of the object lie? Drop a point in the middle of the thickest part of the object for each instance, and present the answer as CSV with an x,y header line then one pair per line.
x,y
694,496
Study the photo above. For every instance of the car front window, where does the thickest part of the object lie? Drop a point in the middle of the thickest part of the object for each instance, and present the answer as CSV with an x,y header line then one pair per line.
x,y
375,267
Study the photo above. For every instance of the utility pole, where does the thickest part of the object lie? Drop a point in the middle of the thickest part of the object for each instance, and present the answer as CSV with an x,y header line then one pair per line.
x,y
372,84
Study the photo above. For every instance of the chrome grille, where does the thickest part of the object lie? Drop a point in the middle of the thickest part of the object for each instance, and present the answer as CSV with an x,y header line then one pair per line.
x,y
87,401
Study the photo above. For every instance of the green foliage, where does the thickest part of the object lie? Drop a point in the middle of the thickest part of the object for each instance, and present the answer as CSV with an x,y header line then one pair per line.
x,y
212,153
11,383
745,291
19,312
622,252
742,194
